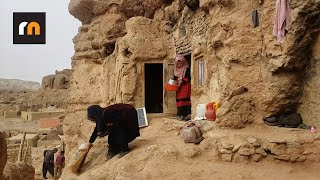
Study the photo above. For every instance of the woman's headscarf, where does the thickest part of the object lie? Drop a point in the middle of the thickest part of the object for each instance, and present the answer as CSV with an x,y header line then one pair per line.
x,y
95,112
180,71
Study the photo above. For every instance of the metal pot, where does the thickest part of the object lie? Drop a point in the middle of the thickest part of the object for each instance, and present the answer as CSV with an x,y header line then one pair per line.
x,y
172,82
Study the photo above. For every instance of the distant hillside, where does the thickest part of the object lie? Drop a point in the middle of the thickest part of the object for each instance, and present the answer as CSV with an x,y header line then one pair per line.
x,y
18,85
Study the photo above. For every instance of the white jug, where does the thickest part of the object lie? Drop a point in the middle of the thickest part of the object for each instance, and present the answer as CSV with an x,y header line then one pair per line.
x,y
201,110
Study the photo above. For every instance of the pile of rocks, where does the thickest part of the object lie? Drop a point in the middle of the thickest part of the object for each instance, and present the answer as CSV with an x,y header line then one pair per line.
x,y
245,149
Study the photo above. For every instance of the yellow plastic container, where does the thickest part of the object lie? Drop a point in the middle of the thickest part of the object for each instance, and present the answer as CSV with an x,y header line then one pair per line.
x,y
216,106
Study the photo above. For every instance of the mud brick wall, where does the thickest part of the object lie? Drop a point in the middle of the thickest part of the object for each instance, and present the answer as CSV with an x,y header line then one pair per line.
x,y
13,151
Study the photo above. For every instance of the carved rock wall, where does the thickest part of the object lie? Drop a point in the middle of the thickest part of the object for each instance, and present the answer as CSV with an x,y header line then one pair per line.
x,y
3,154
112,45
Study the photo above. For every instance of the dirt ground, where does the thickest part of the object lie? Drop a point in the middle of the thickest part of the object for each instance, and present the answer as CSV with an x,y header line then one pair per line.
x,y
160,153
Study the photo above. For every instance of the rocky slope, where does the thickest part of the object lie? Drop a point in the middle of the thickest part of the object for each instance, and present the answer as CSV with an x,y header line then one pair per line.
x,y
18,85
54,90
160,153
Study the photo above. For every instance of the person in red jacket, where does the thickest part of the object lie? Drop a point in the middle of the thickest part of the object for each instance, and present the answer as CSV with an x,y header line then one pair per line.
x,y
60,162
182,75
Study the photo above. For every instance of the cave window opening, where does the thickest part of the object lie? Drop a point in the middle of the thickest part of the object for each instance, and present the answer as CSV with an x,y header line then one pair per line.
x,y
200,72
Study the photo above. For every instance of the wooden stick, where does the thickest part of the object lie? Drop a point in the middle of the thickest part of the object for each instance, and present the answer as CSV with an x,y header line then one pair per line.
x,y
62,148
21,146
25,152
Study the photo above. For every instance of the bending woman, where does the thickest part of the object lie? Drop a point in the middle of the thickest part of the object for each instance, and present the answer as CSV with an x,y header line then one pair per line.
x,y
119,122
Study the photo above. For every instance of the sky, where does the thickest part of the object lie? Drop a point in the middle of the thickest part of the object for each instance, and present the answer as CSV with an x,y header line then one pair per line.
x,y
33,61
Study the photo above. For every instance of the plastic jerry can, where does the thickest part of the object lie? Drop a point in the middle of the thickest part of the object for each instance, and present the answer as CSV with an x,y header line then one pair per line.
x,y
210,112
201,110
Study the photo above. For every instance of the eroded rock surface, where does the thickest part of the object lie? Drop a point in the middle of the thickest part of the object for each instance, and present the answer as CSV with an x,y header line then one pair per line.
x,y
118,38
19,171
3,154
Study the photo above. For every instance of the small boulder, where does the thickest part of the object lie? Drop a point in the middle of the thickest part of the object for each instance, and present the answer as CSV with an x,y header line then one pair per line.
x,y
277,149
301,158
226,157
308,151
261,151
256,157
278,141
283,157
240,159
255,142
294,158
225,151
227,145
236,148
246,151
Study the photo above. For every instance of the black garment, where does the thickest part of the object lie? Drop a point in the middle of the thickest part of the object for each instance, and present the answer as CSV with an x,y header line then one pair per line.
x,y
95,112
289,119
48,156
184,111
187,75
124,129
47,167
94,135
48,163
118,140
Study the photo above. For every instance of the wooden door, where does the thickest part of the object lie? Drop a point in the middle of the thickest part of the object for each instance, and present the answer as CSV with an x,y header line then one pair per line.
x,y
169,97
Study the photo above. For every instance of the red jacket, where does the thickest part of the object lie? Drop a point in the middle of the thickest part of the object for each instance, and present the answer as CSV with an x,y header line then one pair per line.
x,y
184,93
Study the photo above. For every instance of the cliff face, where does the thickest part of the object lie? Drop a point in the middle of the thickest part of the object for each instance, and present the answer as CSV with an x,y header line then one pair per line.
x,y
118,38
54,90
115,41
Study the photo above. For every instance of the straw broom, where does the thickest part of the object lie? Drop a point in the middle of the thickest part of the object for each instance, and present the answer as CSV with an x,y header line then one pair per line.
x,y
79,161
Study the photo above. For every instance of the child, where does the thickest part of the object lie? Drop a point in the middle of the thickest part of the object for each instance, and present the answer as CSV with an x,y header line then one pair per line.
x,y
59,165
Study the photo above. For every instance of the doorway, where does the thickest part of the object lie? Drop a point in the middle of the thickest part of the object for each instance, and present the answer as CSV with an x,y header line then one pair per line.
x,y
153,76
188,59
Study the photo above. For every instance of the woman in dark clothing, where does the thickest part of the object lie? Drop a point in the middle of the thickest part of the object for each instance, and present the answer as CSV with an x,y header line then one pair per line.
x,y
182,75
119,122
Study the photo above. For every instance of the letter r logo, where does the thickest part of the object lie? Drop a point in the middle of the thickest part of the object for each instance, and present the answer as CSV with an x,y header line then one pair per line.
x,y
29,28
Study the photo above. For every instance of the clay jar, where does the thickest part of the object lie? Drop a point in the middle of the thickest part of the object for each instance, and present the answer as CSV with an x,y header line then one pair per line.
x,y
210,112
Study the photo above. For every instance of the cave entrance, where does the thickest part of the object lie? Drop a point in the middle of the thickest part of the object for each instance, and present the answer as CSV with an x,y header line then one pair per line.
x,y
153,75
